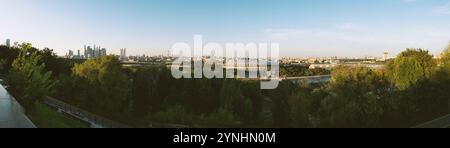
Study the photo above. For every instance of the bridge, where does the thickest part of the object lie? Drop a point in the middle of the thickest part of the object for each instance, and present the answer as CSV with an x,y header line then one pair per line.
x,y
139,64
11,112
310,79
319,79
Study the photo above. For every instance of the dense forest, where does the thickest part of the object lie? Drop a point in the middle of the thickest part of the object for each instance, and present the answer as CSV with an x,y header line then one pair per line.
x,y
412,88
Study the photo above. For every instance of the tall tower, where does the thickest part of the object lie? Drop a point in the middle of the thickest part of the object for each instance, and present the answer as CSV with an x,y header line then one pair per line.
x,y
8,43
385,56
85,52
123,54
70,54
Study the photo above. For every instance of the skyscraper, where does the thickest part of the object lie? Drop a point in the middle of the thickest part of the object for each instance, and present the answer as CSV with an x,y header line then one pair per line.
x,y
70,54
93,52
8,43
79,56
123,54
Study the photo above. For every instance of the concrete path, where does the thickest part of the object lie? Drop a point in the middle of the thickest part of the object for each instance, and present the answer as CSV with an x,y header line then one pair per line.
x,y
11,112
443,122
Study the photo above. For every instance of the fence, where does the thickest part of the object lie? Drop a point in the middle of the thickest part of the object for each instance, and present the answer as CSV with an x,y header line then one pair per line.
x,y
94,120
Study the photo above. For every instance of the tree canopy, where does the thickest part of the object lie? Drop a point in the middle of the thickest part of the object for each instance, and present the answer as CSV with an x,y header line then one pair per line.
x,y
104,85
445,59
412,89
28,76
410,68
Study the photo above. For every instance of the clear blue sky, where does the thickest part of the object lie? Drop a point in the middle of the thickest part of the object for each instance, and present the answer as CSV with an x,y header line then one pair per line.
x,y
302,27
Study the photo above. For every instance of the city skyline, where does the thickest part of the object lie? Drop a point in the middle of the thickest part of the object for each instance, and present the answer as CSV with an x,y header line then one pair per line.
x,y
348,28
87,52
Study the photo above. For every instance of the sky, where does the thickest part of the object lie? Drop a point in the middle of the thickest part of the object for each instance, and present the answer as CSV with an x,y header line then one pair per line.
x,y
303,28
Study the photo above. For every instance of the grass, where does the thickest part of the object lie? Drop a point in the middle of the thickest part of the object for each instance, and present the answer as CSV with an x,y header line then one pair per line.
x,y
47,117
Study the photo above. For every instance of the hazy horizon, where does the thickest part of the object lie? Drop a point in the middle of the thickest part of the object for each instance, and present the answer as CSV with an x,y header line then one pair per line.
x,y
304,28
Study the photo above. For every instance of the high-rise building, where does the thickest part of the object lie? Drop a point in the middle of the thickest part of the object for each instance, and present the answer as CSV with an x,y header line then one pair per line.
x,y
89,52
94,52
103,52
385,56
8,43
70,55
123,54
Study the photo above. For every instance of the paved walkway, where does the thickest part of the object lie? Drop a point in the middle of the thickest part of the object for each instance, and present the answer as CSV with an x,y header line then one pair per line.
x,y
11,112
443,122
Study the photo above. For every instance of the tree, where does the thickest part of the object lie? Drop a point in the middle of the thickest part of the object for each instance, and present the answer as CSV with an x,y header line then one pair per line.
x,y
301,70
443,75
444,61
148,89
280,104
57,65
230,96
107,86
354,98
410,68
28,77
300,102
2,64
8,55
422,85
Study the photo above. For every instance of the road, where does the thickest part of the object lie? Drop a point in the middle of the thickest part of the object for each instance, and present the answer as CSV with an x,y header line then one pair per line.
x,y
11,112
443,122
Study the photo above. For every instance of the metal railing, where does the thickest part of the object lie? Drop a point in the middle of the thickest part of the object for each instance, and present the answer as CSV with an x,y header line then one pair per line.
x,y
93,119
